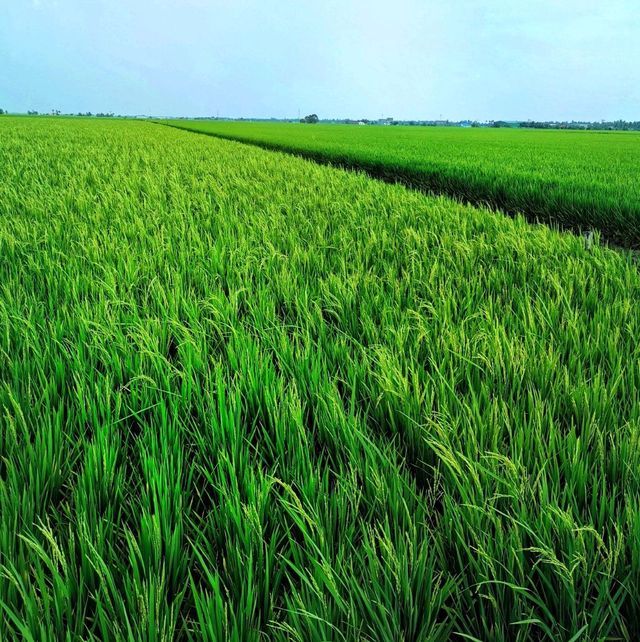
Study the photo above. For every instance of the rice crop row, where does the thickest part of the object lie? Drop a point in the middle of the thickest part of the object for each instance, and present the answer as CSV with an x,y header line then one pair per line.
x,y
578,180
246,397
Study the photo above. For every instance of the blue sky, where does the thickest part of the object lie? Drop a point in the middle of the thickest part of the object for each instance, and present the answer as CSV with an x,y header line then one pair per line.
x,y
541,59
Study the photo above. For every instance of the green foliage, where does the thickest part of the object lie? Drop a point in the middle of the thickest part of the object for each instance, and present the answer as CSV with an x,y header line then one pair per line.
x,y
579,180
246,397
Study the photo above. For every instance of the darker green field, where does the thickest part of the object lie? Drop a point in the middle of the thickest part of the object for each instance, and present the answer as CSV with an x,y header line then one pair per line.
x,y
247,397
579,180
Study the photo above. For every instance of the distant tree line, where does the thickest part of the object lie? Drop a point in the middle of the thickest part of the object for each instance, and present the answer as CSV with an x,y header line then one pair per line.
x,y
311,119
616,125
57,112
613,125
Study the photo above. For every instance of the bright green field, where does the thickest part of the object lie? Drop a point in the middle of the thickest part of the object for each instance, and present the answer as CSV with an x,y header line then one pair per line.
x,y
247,397
583,180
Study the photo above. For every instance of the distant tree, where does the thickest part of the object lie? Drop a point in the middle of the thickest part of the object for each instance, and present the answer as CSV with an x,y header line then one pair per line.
x,y
1,112
311,119
32,113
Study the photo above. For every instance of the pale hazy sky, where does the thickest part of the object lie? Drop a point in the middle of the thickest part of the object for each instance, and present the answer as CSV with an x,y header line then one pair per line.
x,y
497,59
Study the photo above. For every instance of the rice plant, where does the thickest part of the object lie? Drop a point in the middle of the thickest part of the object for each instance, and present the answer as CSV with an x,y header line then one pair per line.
x,y
247,397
